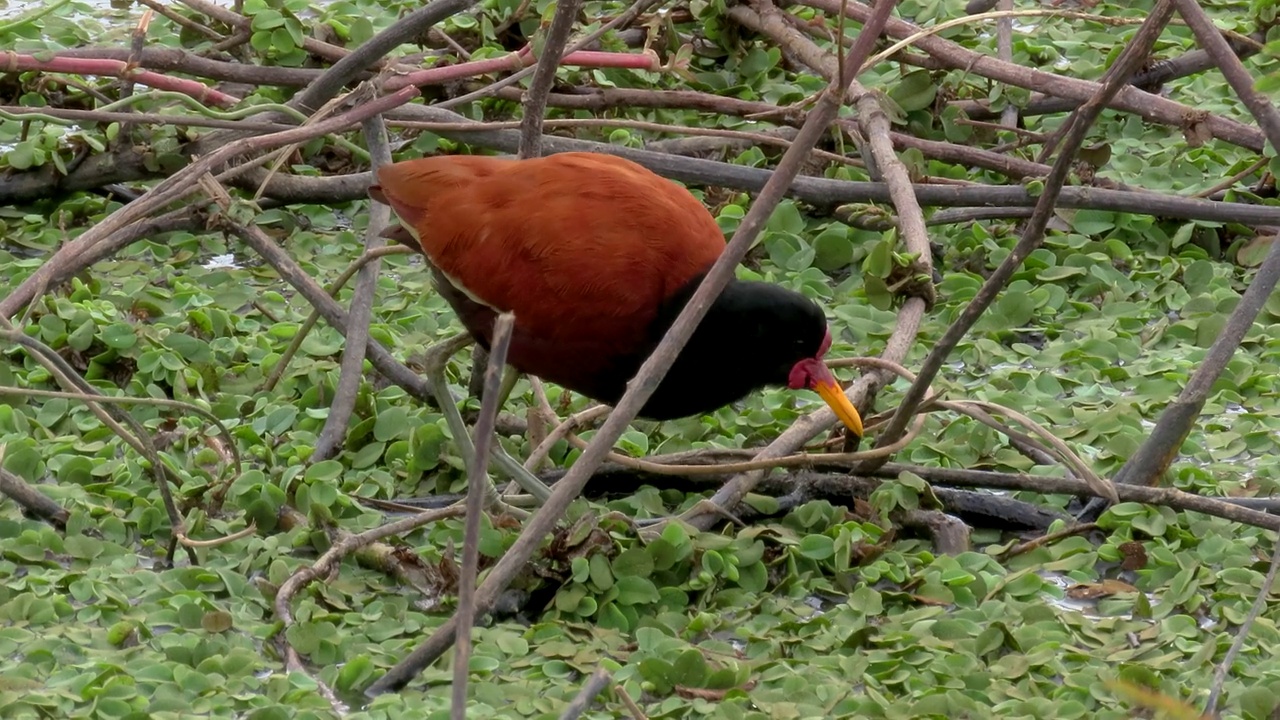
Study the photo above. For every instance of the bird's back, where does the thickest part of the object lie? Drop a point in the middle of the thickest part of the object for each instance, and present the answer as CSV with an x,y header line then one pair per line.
x,y
582,247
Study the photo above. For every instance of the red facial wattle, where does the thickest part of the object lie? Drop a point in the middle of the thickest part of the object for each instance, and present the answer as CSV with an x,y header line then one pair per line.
x,y
814,374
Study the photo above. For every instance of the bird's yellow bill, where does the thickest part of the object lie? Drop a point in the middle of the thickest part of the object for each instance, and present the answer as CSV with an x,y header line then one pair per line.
x,y
829,390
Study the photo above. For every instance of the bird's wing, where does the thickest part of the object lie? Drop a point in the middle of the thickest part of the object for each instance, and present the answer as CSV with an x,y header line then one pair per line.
x,y
572,243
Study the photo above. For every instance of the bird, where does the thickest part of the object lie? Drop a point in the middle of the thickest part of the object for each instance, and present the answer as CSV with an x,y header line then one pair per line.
x,y
596,256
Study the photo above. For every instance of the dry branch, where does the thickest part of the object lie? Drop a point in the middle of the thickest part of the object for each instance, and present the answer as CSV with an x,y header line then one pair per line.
x,y
478,484
1150,79
328,563
822,193
119,421
1045,485
535,98
1262,108
30,499
1161,448
244,25
596,682
357,336
825,193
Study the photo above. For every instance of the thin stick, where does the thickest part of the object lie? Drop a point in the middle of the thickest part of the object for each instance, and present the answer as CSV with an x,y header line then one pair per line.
x,y
371,51
597,682
333,313
331,557
912,311
1028,546
477,484
636,712
535,99
32,500
351,369
334,287
1260,602
622,19
1047,485
135,436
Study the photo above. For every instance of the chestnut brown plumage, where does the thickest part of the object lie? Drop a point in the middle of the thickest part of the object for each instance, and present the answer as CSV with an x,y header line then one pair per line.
x,y
597,256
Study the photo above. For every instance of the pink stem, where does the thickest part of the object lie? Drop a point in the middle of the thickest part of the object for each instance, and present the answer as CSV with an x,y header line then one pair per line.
x,y
12,62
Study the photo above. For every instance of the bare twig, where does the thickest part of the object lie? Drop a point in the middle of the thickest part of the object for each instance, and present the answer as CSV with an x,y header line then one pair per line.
x,y
357,338
535,98
1028,546
136,45
1128,98
182,20
623,18
909,317
338,283
477,484
243,24
116,419
1004,51
372,51
636,712
1226,184
562,430
96,397
383,361
328,562
437,356
1150,79
827,193
823,193
597,682
1259,603
1044,485
30,499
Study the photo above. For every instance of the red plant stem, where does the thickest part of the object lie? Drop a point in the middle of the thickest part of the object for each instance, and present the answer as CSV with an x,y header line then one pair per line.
x,y
518,60
13,62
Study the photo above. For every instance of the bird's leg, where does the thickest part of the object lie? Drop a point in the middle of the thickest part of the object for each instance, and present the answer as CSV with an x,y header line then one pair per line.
x,y
437,356
511,467
509,380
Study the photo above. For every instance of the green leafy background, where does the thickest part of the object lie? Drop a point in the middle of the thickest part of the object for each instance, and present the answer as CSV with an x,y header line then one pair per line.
x,y
820,613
